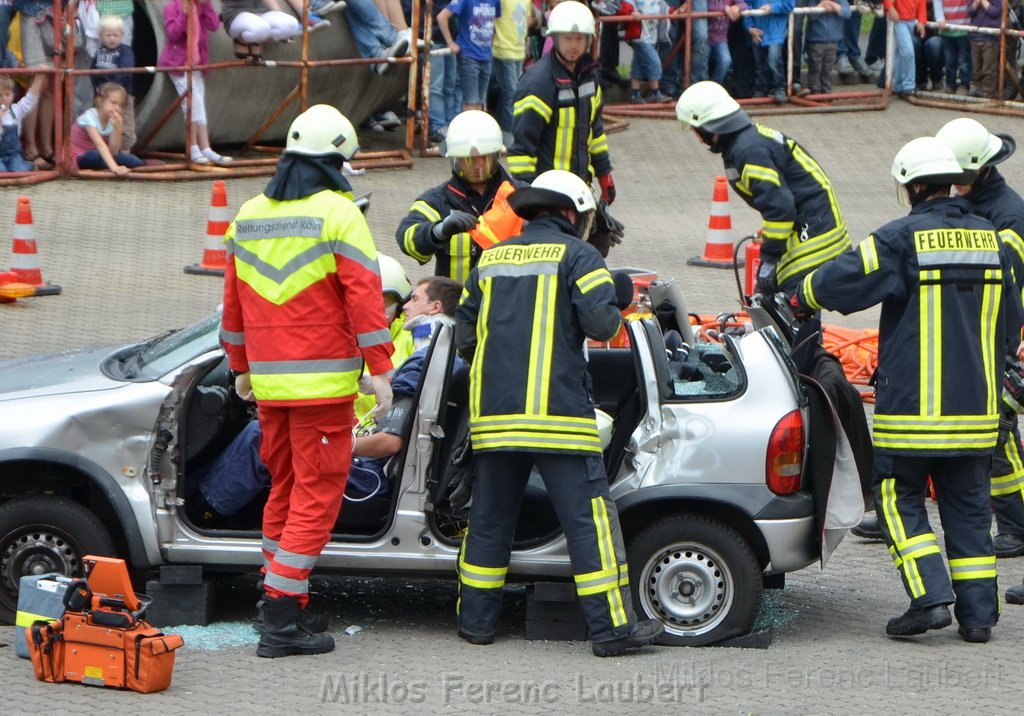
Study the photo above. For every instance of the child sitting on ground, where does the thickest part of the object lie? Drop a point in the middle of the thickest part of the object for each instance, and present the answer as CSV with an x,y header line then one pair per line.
x,y
175,54
96,134
113,54
11,114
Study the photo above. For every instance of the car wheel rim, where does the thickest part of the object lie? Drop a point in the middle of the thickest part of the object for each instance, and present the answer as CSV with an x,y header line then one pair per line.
x,y
689,587
34,552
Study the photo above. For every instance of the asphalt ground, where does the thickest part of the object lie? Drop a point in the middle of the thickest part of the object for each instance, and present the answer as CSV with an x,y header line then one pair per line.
x,y
118,250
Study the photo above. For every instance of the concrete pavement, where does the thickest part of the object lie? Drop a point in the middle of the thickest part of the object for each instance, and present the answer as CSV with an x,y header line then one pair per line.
x,y
118,249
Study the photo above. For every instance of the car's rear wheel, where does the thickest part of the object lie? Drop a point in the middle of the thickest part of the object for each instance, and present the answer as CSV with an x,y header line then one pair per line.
x,y
39,535
698,577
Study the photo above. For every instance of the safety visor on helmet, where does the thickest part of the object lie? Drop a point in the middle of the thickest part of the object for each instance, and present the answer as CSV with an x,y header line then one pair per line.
x,y
476,168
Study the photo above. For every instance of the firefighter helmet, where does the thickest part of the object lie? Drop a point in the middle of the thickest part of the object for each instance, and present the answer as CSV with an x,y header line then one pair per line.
x,y
571,16
557,189
927,160
393,280
973,145
472,134
321,131
706,105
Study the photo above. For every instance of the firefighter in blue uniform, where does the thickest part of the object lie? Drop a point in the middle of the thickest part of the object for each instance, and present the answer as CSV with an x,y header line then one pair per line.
x,y
525,312
989,195
802,225
948,303
557,111
443,221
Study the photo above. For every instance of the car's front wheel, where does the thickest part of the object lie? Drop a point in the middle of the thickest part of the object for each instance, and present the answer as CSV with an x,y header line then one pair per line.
x,y
39,535
697,576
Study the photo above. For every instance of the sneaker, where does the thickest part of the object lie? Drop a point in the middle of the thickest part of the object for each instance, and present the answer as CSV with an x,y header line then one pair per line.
x,y
398,48
436,138
372,125
322,7
643,633
843,66
314,22
659,98
917,621
861,68
962,91
389,120
877,66
637,99
197,156
804,91
948,90
216,158
779,97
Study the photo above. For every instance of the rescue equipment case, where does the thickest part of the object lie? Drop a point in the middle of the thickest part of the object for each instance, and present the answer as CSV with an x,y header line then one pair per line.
x,y
102,639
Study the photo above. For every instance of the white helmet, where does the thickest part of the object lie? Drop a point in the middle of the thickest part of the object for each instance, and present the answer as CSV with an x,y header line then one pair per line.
x,y
571,16
926,160
973,145
472,134
321,131
393,280
706,105
557,189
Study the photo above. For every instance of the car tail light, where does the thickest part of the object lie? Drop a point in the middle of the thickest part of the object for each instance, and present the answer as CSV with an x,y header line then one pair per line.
x,y
785,461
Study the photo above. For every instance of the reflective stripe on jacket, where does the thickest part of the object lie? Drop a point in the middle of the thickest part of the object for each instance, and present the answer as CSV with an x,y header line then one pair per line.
x,y
457,255
525,312
948,302
802,224
556,122
302,299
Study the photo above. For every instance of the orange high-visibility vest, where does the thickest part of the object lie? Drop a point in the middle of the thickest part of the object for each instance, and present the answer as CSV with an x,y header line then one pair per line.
x,y
499,222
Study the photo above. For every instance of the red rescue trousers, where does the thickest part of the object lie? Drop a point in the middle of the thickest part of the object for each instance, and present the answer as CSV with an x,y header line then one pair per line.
x,y
307,450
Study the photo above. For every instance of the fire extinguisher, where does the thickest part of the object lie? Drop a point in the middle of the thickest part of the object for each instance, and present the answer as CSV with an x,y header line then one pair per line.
x,y
752,257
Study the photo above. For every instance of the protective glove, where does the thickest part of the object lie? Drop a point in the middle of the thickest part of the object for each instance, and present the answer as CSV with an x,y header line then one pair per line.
x,y
607,230
607,188
767,282
800,312
243,386
455,223
382,392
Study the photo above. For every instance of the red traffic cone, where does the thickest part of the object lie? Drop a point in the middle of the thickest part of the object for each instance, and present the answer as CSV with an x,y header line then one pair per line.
x,y
214,253
24,252
718,248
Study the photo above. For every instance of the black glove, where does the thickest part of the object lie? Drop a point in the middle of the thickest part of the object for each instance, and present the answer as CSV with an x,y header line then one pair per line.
x,y
455,223
800,312
767,283
607,230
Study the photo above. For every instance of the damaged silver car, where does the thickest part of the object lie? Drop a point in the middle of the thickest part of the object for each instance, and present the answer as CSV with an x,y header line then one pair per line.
x,y
708,462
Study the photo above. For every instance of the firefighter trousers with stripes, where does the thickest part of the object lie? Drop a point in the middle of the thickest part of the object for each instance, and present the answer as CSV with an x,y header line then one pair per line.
x,y
307,450
577,487
962,490
1008,478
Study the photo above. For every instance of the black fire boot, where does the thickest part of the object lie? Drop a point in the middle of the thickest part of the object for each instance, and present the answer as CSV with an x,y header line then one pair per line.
x,y
644,633
918,621
282,636
307,620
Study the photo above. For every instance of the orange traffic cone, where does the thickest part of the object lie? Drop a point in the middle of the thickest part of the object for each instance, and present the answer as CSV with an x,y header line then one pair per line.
x,y
214,253
718,248
24,256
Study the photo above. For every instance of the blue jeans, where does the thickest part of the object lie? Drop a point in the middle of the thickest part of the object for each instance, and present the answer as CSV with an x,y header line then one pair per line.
x,y
956,55
370,30
474,75
444,102
769,73
699,44
720,60
15,163
849,45
92,160
904,73
646,63
506,75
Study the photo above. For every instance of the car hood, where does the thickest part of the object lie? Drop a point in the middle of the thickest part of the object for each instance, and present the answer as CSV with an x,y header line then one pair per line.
x,y
75,371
